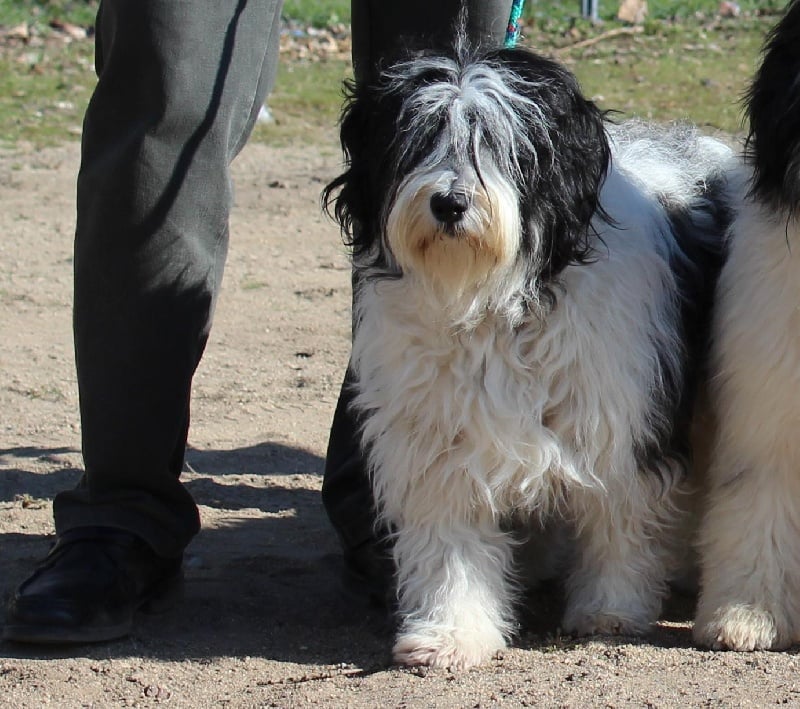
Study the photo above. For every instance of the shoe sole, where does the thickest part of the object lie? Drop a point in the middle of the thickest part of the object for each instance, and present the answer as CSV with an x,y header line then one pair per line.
x,y
162,598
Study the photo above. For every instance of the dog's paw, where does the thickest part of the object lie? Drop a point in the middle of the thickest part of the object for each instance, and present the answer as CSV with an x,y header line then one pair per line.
x,y
457,649
606,622
744,628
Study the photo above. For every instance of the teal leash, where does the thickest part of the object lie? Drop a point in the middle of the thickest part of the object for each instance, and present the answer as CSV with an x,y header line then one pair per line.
x,y
512,31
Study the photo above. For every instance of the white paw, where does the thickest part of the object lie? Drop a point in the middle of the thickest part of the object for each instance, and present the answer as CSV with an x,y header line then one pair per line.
x,y
744,628
454,649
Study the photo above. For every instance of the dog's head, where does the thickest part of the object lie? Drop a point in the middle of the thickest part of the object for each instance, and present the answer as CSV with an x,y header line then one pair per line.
x,y
470,169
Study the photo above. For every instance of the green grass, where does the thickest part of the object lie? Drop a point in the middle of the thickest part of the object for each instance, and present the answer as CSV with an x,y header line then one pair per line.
x,y
549,14
669,72
317,12
44,91
323,12
552,13
675,74
306,103
692,69
78,12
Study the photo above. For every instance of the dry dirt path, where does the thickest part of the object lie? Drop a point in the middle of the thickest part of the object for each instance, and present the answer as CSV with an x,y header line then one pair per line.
x,y
262,623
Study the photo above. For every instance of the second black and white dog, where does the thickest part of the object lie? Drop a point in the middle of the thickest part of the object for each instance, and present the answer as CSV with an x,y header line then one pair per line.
x,y
533,286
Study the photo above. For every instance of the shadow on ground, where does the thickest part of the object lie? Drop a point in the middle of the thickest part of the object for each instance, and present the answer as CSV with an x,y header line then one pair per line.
x,y
263,576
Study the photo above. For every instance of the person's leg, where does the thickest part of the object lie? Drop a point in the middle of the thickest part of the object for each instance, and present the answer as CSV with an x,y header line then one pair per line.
x,y
382,29
179,90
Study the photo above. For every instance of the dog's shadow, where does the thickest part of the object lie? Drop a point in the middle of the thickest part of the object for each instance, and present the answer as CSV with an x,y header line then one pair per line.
x,y
267,582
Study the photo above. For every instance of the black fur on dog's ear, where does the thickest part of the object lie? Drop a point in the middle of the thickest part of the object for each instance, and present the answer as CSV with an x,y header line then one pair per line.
x,y
343,198
561,191
355,199
772,108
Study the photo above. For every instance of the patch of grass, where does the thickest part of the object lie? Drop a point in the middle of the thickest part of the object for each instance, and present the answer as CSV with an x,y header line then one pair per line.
x,y
78,12
44,91
552,13
687,74
320,13
253,285
667,9
665,73
305,103
325,12
694,70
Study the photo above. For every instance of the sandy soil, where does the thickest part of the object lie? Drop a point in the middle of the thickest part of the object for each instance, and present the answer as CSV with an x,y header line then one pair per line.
x,y
263,622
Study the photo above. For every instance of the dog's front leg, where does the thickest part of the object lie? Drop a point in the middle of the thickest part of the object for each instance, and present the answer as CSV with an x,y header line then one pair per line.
x,y
455,594
618,582
749,547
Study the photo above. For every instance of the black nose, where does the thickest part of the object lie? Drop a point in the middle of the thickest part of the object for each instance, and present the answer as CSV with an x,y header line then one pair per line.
x,y
449,207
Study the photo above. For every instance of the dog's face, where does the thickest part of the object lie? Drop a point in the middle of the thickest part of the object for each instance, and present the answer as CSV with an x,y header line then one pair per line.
x,y
454,220
466,169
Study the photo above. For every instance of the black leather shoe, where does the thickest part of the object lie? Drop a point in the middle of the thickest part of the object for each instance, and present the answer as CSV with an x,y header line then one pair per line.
x,y
89,587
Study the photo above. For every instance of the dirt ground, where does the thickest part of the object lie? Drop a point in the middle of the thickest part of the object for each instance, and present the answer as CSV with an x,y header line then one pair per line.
x,y
263,622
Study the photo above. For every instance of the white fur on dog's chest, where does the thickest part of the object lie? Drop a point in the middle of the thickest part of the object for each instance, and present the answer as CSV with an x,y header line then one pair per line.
x,y
504,418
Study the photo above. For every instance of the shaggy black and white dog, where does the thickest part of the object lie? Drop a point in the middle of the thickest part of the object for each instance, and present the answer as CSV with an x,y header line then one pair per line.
x,y
750,539
532,285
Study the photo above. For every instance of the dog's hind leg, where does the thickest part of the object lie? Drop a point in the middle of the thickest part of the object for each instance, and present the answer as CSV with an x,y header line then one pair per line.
x,y
455,594
619,579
